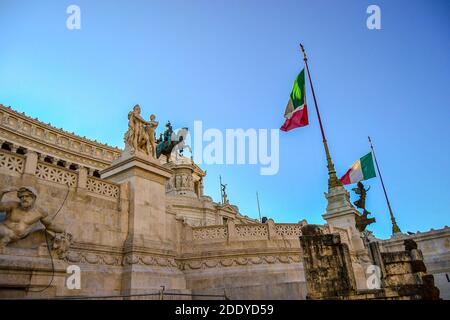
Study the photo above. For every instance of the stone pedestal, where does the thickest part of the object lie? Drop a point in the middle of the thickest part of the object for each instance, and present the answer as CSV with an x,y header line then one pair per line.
x,y
149,249
146,179
341,214
182,183
327,263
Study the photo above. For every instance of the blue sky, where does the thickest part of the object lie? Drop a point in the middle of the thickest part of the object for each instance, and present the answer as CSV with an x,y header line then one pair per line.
x,y
231,64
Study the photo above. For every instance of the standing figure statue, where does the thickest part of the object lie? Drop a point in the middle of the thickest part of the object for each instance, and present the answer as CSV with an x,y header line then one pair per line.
x,y
151,132
362,221
22,216
149,139
224,193
135,128
141,133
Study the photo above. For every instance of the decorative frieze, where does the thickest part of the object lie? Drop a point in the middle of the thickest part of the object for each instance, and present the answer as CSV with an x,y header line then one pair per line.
x,y
180,183
171,262
43,137
119,260
93,258
222,262
149,260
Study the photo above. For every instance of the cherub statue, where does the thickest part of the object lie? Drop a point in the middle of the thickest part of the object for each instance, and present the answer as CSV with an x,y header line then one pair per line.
x,y
22,216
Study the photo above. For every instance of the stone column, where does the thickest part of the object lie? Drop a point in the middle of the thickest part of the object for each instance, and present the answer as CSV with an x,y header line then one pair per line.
x,y
30,163
232,233
200,187
14,148
272,230
41,157
82,178
29,171
341,213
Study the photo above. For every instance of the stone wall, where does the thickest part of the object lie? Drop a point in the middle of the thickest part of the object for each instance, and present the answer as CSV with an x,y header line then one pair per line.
x,y
401,275
137,229
122,249
246,261
328,266
93,211
435,246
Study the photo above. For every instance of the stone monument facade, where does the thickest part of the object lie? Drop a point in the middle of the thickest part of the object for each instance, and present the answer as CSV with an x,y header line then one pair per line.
x,y
134,223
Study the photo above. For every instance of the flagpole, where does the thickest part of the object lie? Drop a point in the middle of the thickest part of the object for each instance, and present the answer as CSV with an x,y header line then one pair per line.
x,y
259,209
333,181
395,228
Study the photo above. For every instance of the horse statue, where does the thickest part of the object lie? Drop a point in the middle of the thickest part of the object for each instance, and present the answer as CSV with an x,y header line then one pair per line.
x,y
169,142
179,148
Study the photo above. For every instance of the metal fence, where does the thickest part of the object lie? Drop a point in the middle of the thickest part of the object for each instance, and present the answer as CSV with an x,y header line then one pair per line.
x,y
161,295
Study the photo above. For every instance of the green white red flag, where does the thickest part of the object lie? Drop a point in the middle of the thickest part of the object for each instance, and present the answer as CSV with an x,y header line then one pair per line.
x,y
296,112
362,169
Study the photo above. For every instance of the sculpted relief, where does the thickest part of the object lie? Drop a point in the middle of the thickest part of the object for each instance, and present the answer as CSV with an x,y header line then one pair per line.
x,y
23,218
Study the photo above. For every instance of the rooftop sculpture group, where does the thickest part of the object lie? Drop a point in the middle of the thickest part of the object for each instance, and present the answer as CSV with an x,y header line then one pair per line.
x,y
141,133
141,136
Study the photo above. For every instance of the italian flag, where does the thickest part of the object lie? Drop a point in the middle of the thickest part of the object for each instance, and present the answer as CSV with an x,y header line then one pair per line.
x,y
296,113
362,169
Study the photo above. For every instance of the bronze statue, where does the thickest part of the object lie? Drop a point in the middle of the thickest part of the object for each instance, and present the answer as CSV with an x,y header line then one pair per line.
x,y
362,192
363,220
169,141
224,193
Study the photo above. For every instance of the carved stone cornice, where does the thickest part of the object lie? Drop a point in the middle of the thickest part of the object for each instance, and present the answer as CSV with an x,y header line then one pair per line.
x,y
45,138
236,261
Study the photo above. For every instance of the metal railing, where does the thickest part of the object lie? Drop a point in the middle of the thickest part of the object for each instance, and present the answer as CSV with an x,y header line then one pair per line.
x,y
160,295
